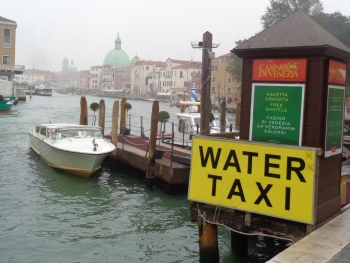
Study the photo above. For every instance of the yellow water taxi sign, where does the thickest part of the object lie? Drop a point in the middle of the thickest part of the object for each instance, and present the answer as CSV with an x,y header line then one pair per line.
x,y
270,179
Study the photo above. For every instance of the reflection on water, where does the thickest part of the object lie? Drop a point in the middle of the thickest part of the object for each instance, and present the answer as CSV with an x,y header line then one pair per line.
x,y
48,215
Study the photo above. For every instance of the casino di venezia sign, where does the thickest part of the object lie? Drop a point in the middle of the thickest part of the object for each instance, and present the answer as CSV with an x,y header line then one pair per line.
x,y
286,70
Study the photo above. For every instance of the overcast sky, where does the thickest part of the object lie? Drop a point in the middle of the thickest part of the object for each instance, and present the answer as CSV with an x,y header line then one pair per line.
x,y
85,30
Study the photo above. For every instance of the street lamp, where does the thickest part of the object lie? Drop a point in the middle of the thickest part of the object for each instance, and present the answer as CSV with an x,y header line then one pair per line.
x,y
206,46
199,45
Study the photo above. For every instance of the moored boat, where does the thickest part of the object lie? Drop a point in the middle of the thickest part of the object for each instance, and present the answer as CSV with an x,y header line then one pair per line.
x,y
77,149
6,103
187,124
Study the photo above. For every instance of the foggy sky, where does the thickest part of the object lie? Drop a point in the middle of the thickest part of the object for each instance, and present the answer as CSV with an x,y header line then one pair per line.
x,y
85,30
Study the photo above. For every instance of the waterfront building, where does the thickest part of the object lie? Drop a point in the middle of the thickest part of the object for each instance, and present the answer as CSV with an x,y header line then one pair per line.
x,y
108,78
84,80
30,77
222,83
139,75
8,69
153,79
175,76
95,78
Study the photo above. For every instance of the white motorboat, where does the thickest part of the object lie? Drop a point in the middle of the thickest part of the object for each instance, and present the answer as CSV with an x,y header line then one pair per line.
x,y
78,149
187,124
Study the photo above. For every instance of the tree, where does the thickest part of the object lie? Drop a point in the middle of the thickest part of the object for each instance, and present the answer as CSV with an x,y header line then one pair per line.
x,y
234,68
339,26
94,107
128,107
163,116
279,9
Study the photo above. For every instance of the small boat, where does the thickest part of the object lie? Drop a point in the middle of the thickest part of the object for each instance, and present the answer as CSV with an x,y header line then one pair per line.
x,y
44,91
6,103
77,149
187,124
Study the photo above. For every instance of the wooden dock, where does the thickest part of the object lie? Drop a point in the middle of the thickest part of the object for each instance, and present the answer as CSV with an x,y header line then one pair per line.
x,y
169,175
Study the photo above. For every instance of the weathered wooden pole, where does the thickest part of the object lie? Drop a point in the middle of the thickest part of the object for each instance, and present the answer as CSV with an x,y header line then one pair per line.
x,y
152,144
122,115
115,115
83,111
207,233
101,116
208,242
238,115
205,94
239,244
223,115
182,108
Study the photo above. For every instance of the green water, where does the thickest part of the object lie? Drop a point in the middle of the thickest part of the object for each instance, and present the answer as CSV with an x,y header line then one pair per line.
x,y
47,215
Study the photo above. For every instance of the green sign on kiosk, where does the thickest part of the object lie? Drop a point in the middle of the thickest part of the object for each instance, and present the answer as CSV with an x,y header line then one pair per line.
x,y
335,113
277,113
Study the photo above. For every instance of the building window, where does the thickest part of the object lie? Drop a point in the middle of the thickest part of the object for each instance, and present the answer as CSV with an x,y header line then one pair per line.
x,y
214,68
6,60
229,90
212,89
7,38
181,75
214,79
229,80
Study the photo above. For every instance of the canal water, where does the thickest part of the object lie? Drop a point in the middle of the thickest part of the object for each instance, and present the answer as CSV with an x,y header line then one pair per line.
x,y
49,215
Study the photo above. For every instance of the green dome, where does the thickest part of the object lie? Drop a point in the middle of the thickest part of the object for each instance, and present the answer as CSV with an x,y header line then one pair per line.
x,y
117,57
134,60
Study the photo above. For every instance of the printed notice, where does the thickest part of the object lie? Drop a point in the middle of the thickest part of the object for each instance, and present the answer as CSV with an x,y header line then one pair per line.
x,y
335,113
277,113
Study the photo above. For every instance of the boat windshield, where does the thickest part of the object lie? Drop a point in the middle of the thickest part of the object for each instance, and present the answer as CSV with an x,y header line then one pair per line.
x,y
217,122
76,133
198,121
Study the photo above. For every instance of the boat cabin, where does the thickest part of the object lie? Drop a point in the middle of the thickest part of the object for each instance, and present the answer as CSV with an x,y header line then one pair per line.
x,y
59,132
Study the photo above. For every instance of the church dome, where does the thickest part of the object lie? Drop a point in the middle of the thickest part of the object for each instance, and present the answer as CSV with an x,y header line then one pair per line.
x,y
72,67
117,56
134,60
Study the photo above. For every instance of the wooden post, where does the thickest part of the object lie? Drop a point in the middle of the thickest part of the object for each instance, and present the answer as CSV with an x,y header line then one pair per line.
x,y
152,144
223,115
101,116
115,115
122,115
83,111
206,81
239,243
182,108
238,115
208,242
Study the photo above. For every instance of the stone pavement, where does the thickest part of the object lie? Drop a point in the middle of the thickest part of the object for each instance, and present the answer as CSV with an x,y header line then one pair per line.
x,y
328,244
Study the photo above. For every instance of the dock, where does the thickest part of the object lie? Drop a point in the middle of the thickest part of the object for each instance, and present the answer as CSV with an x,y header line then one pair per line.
x,y
171,176
328,244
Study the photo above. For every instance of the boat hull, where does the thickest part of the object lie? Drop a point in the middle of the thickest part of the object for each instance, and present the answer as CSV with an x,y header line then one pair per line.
x,y
82,164
6,106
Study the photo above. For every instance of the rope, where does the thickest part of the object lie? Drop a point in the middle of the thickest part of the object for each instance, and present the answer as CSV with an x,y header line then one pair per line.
x,y
133,143
239,232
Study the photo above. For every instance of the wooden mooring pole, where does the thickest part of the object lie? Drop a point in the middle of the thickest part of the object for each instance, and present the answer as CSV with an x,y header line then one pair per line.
x,y
239,244
208,242
83,111
115,115
223,115
122,115
207,233
152,145
101,116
